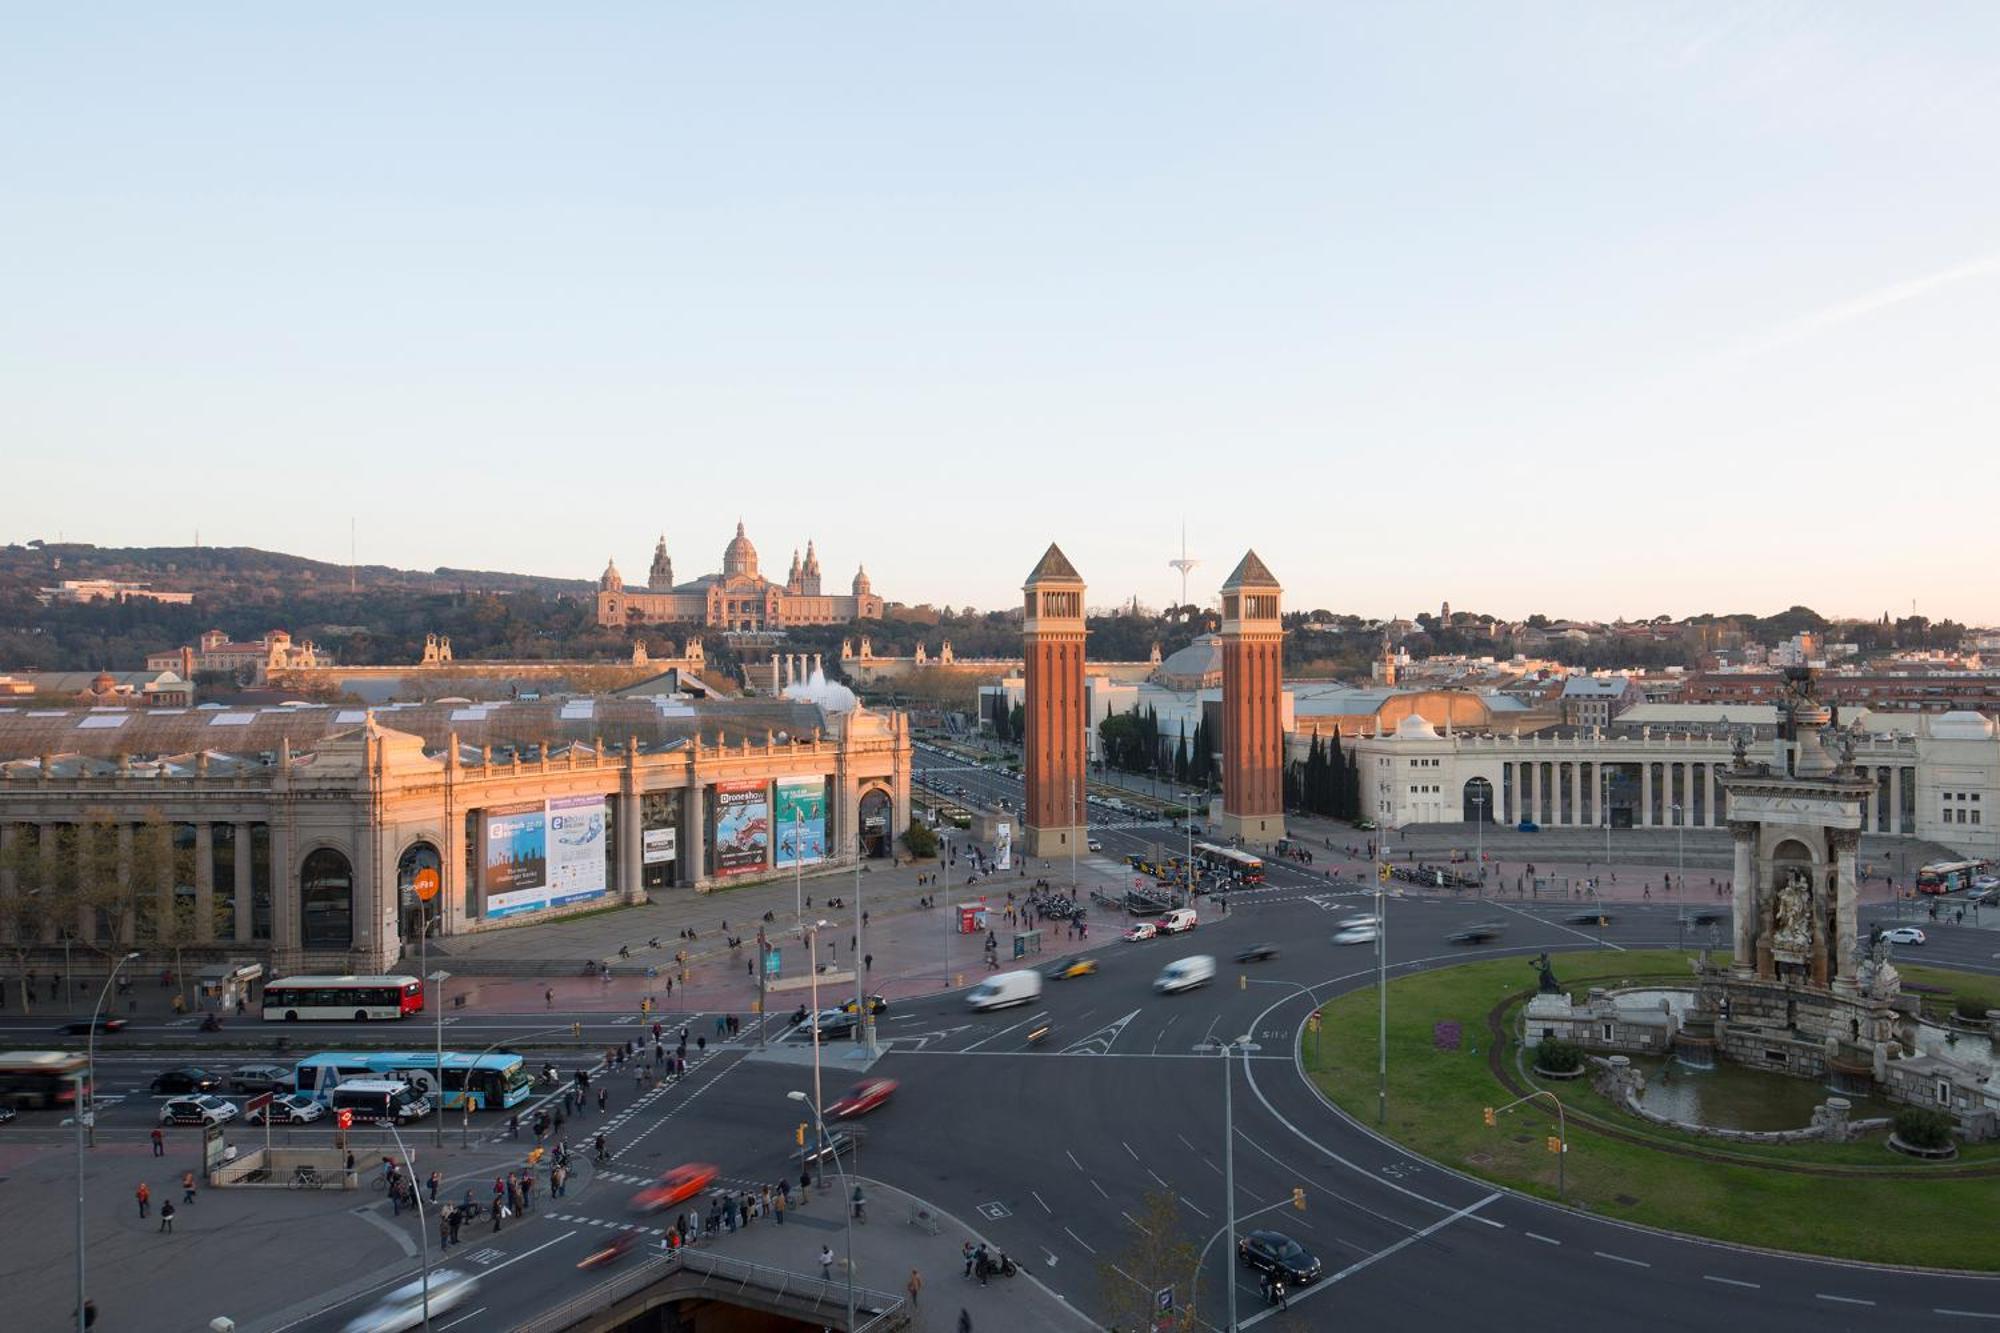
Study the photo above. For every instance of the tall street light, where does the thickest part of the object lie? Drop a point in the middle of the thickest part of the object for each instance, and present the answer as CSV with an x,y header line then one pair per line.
x,y
423,1233
88,1116
819,1125
437,980
1223,1048
465,1098
862,1013
1680,856
1382,980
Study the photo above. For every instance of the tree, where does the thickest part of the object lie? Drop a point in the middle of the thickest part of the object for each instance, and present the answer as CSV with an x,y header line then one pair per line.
x,y
27,912
920,840
101,899
1159,1256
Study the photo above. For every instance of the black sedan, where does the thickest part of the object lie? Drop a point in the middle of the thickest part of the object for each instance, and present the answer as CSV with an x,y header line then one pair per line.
x,y
1474,935
1276,1253
105,1025
187,1079
1589,918
1257,953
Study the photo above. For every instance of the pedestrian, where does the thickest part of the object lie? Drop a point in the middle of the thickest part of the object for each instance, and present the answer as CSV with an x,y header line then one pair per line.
x,y
826,1263
778,1207
159,1144
964,1321
187,1187
144,1195
914,1286
969,1253
868,963
444,1230
457,1220
602,1094
167,1216
437,1180
549,998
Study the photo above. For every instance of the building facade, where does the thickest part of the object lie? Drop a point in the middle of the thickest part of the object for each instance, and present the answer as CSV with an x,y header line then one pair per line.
x,y
1055,714
739,598
254,661
294,836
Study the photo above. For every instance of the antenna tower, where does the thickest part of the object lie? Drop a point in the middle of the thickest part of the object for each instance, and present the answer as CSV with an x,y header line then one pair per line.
x,y
1184,564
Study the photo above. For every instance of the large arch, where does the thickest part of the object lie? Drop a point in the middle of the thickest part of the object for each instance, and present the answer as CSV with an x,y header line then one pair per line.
x,y
412,913
1477,802
326,900
876,816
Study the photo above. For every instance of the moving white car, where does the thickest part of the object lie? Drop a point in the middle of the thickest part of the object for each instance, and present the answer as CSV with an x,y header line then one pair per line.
x,y
403,1308
1357,934
290,1108
997,992
1185,974
1904,935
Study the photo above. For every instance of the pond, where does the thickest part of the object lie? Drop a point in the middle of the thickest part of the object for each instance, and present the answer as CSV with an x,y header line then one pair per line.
x,y
1974,1049
1733,1096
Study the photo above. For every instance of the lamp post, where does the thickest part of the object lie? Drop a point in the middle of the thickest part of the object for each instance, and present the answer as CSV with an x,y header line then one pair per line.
x,y
1680,856
1223,1048
819,1127
812,965
862,1014
83,1117
465,1101
1382,981
944,868
90,1049
1479,835
437,980
423,1234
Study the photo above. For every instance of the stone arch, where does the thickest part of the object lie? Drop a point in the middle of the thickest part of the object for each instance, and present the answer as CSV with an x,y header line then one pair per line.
x,y
875,814
326,899
1476,791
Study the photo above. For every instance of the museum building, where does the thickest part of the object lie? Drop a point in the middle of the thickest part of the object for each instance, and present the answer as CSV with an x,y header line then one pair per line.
x,y
737,599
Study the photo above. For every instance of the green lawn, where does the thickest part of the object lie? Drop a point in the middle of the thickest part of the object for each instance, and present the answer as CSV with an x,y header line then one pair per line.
x,y
1436,1099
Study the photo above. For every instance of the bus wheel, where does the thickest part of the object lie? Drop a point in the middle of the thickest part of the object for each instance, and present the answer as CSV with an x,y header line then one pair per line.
x,y
361,1015
291,1015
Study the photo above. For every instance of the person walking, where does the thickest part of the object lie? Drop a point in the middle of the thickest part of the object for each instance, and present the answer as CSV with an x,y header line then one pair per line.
x,y
159,1143
825,1263
187,1187
167,1216
914,1286
144,1195
778,1208
433,1183
457,1217
964,1320
444,1230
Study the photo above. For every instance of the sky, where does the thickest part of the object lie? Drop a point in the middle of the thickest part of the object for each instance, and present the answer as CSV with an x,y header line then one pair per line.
x,y
1589,309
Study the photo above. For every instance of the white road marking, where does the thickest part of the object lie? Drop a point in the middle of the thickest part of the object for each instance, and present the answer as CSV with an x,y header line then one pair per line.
x,y
461,1319
1732,1282
1099,1188
1134,1221
1004,1031
1375,1258
1128,1148
1159,1179
1192,1206
1045,1207
1080,1240
1546,1240
1072,1159
1621,1259
1843,1300
1967,1314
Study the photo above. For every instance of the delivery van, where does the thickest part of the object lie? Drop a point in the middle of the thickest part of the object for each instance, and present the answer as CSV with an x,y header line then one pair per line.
x,y
997,992
1185,974
1176,921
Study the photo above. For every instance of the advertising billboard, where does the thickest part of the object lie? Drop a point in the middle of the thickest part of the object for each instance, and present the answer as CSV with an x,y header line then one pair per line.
x,y
514,863
742,828
800,823
576,849
1003,845
659,846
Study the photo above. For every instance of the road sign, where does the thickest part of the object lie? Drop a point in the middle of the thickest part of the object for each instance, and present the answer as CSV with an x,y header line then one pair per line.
x,y
771,968
257,1103
1163,1299
344,1119
425,883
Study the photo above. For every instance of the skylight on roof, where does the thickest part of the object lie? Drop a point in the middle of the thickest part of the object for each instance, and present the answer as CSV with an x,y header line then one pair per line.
x,y
232,719
102,721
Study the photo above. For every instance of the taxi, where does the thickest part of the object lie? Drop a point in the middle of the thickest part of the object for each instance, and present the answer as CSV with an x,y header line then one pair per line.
x,y
1071,967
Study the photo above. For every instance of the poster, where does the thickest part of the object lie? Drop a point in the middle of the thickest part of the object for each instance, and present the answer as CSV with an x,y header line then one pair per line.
x,y
576,849
1003,846
742,828
800,823
515,861
659,846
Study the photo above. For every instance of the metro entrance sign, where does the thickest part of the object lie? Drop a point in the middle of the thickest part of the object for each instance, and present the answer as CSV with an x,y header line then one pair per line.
x,y
425,883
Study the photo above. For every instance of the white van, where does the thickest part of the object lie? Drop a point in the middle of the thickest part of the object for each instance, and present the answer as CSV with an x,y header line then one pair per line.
x,y
1185,974
379,1100
1178,920
1007,988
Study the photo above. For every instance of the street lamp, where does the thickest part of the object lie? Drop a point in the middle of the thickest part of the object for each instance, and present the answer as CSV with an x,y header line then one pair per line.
x,y
812,966
1680,856
465,1097
423,1235
819,1123
82,1117
862,1013
1222,1048
1479,834
437,980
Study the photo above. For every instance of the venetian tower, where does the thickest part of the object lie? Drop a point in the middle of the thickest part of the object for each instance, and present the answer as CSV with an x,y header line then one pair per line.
x,y
1056,719
1253,729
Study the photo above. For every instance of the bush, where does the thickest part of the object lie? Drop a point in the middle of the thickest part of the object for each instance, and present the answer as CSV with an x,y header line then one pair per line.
x,y
920,840
1972,1007
1559,1057
1921,1127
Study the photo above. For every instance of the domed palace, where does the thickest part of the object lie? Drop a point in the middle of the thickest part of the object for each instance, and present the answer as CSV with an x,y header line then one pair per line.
x,y
739,598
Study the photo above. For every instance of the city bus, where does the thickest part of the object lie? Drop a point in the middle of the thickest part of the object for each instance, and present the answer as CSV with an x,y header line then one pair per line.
x,y
1236,864
41,1079
1946,876
348,999
498,1079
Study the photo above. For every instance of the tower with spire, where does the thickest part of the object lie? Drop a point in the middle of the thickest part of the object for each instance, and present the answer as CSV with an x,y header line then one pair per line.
x,y
809,576
660,578
1253,727
1056,727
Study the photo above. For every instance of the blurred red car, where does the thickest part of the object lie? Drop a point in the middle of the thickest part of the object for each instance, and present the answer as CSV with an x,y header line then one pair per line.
x,y
863,1097
676,1186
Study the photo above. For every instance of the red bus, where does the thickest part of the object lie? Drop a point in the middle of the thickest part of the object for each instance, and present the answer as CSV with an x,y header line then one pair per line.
x,y
41,1078
351,999
1946,876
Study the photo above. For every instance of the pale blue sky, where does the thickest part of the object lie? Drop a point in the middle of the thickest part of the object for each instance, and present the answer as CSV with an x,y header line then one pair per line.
x,y
1588,309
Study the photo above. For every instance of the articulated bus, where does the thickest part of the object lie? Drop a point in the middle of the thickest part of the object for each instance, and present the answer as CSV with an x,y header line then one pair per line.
x,y
1946,876
497,1080
1238,865
345,999
33,1079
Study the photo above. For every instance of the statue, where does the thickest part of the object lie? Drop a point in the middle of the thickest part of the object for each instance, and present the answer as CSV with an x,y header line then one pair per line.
x,y
1548,971
1739,750
1794,907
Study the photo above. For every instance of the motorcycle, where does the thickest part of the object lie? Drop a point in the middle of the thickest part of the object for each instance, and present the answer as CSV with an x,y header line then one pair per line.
x,y
610,1254
211,1024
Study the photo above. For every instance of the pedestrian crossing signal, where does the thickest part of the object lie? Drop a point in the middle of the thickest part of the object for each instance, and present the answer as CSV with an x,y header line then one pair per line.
x,y
802,1134
576,1030
1555,1144
1299,1198
1382,872
345,1119
1492,1117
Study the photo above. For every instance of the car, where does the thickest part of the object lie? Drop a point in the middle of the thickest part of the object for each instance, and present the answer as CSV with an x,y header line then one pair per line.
x,y
1986,883
6,1114
1276,1253
1140,930
104,1024
198,1110
290,1108
1094,845
1352,922
863,1097
1590,918
1479,934
1903,935
1357,935
260,1078
187,1078
1364,826
1257,953
403,1308
1069,968
876,1005
676,1186
1184,974
833,1025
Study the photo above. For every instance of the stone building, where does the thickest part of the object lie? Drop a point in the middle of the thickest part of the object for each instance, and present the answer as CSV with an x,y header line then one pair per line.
x,y
739,598
296,833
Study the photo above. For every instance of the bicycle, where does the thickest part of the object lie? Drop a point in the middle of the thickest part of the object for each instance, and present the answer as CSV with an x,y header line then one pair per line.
x,y
309,1178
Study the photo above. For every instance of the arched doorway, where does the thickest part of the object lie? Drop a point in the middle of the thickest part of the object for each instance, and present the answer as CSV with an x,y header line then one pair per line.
x,y
876,819
412,913
1478,802
326,901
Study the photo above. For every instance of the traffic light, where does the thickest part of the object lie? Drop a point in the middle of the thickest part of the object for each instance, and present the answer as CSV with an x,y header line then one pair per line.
x,y
1555,1144
1492,1117
1299,1198
802,1134
345,1119
576,1030
1242,982
1382,872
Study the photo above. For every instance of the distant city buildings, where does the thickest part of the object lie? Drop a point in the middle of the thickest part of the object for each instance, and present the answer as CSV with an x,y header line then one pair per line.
x,y
111,590
738,599
254,661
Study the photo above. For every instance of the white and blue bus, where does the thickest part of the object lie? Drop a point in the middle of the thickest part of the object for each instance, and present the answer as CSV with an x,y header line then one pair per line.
x,y
496,1081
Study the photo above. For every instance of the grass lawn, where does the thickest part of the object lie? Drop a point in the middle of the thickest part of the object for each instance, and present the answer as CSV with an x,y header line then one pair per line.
x,y
1436,1098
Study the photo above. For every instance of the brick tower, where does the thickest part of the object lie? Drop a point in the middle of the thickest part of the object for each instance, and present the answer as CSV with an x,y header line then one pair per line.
x,y
1052,642
1253,727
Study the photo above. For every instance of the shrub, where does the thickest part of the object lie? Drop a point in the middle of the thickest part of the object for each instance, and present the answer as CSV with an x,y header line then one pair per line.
x,y
920,840
1921,1127
1559,1057
1972,1007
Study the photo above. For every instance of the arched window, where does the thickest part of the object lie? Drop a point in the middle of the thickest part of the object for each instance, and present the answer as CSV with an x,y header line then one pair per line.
x,y
411,912
1477,801
875,815
326,901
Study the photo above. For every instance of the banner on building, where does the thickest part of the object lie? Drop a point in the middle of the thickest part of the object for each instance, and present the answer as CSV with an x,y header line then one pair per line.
x,y
514,868
800,824
742,832
660,846
1003,845
576,849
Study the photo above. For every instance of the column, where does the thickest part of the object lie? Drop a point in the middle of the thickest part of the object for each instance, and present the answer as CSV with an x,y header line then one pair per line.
x,y
1844,842
240,890
204,883
1504,797
1645,792
130,929
1743,896
631,839
1531,802
1708,813
1895,800
284,889
1575,792
694,845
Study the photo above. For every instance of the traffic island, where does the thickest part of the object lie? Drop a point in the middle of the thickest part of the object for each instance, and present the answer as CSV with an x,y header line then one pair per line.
x,y
1453,1057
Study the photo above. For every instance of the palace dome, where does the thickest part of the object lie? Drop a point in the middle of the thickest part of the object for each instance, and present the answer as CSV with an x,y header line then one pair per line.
x,y
739,557
1414,727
